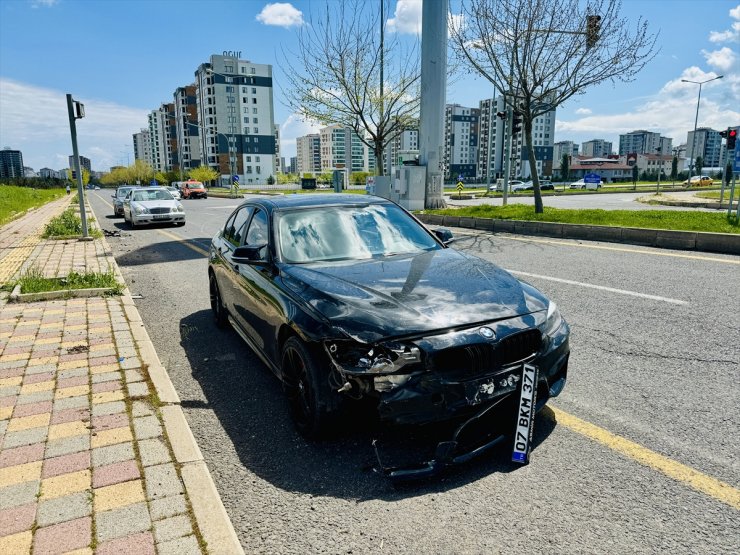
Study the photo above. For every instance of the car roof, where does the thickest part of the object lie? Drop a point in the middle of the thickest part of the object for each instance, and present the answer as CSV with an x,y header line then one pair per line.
x,y
285,202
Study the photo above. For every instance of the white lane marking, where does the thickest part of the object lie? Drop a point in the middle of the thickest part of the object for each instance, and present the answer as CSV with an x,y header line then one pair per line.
x,y
601,288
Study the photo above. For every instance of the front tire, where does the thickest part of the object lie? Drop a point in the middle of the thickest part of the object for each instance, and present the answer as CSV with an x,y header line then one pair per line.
x,y
308,391
220,316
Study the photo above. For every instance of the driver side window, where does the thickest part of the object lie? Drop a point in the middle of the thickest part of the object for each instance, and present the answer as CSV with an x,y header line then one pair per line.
x,y
234,230
257,233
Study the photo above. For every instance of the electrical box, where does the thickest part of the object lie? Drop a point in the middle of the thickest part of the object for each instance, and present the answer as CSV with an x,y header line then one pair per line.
x,y
409,185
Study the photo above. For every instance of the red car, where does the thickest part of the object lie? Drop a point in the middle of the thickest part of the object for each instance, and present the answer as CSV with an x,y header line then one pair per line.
x,y
191,189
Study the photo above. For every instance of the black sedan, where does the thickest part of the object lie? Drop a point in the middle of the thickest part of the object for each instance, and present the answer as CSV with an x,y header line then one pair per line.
x,y
346,297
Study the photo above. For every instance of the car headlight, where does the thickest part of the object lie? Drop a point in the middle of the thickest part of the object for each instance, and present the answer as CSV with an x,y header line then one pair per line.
x,y
178,208
141,209
554,319
357,358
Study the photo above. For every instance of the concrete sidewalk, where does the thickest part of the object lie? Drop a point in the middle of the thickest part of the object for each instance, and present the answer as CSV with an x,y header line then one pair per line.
x,y
95,452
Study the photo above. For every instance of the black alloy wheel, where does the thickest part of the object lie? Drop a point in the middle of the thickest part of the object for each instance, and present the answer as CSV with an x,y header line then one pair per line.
x,y
217,306
307,406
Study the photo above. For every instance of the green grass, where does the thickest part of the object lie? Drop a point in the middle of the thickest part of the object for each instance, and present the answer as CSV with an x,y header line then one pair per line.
x,y
68,224
653,219
14,201
33,281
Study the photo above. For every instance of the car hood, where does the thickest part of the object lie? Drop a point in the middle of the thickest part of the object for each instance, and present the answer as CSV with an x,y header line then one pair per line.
x,y
155,203
411,295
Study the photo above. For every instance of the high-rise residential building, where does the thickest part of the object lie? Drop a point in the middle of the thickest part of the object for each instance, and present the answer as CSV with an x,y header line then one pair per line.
x,y
308,154
163,138
278,167
143,146
342,148
461,141
643,142
187,128
563,147
293,167
707,143
543,139
235,109
84,163
407,140
596,148
666,146
11,163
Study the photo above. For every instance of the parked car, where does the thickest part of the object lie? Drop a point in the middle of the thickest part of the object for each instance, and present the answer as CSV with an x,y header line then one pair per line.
x,y
529,186
346,297
191,189
581,184
118,198
151,205
699,181
499,186
175,192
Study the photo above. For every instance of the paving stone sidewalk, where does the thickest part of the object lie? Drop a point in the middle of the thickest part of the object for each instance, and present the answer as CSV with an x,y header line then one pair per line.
x,y
86,465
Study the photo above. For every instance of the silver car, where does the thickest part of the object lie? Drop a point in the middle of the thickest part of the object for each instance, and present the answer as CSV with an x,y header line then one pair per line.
x,y
152,205
118,198
175,192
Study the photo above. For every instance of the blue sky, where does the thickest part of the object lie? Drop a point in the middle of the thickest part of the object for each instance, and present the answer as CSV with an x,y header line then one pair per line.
x,y
124,58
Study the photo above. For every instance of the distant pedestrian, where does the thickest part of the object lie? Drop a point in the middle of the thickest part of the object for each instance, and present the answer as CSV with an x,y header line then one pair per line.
x,y
67,189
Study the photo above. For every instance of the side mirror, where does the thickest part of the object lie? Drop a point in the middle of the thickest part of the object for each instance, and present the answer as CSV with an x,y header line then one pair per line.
x,y
444,235
250,254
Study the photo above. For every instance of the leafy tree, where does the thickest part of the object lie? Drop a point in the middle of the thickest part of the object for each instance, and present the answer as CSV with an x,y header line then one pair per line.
x,y
139,173
270,180
674,167
359,178
203,174
284,178
699,165
536,55
565,167
635,172
325,177
728,173
161,178
334,77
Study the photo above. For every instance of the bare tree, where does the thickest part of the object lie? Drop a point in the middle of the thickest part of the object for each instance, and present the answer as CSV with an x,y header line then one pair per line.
x,y
540,53
335,76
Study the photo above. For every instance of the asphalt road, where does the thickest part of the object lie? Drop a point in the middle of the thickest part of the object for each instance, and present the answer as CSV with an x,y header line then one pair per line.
x,y
655,361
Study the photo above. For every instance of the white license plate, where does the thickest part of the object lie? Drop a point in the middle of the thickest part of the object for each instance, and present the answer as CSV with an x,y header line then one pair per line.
x,y
161,216
525,415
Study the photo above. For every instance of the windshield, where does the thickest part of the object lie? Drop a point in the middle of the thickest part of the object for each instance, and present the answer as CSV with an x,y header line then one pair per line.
x,y
121,192
152,194
349,233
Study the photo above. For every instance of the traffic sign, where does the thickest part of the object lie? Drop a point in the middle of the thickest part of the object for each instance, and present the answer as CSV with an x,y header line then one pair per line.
x,y
153,183
235,179
592,178
460,186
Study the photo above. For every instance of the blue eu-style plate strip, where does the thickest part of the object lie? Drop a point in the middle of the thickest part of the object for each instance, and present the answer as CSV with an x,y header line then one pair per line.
x,y
518,457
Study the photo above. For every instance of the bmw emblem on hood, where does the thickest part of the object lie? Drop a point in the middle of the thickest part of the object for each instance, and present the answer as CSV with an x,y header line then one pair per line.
x,y
488,333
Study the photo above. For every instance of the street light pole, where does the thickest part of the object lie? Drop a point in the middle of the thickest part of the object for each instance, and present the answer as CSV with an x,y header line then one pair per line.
x,y
696,121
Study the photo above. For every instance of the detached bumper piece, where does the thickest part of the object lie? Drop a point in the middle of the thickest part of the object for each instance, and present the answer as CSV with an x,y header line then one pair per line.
x,y
485,429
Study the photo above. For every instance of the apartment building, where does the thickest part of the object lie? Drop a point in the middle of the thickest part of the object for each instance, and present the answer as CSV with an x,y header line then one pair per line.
x,y
461,141
11,163
407,140
341,147
707,143
187,128
84,163
163,138
278,167
143,146
234,99
308,154
563,147
644,142
596,148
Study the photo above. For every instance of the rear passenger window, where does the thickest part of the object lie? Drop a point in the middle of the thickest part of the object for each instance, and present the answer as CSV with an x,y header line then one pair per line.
x,y
257,234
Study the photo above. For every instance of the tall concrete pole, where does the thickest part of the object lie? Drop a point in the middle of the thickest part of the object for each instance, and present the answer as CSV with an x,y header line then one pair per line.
x,y
433,85
76,158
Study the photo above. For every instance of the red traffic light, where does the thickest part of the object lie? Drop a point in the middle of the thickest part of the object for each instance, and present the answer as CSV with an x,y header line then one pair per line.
x,y
731,138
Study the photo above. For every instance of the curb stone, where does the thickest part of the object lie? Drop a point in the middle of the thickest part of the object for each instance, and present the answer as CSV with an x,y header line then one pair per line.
x,y
210,514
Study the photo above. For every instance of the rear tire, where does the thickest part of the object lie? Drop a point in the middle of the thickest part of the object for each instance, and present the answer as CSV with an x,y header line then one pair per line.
x,y
308,391
220,316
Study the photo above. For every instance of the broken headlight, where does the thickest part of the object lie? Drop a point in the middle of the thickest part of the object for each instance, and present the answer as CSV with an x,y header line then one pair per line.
x,y
554,319
359,358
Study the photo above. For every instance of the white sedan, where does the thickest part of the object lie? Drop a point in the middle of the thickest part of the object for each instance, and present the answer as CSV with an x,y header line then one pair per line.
x,y
152,205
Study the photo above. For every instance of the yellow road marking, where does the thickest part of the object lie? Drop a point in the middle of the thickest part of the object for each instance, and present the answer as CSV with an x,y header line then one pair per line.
x,y
623,249
184,242
701,482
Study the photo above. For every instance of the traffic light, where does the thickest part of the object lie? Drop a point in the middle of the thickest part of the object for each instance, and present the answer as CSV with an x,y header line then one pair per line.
x,y
593,26
502,115
731,138
74,174
516,124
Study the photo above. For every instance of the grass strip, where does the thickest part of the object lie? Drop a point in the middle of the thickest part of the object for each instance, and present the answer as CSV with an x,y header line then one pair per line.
x,y
33,281
14,201
66,225
652,219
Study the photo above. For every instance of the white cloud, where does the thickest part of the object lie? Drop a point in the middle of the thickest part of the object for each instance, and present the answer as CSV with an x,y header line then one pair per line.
x,y
407,19
722,36
35,121
729,35
723,59
281,15
43,3
583,111
295,126
735,12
